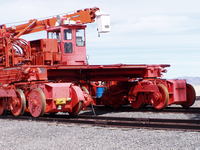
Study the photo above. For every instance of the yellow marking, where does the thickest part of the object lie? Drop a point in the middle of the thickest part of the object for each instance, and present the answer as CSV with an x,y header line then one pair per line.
x,y
62,101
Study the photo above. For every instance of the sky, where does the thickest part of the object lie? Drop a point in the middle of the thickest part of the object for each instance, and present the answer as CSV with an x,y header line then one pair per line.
x,y
142,31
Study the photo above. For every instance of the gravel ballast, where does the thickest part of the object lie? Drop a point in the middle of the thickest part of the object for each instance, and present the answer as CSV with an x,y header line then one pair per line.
x,y
32,135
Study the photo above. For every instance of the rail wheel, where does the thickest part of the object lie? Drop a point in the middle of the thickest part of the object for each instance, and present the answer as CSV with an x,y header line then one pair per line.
x,y
18,104
2,107
161,101
36,102
138,102
76,95
190,95
76,109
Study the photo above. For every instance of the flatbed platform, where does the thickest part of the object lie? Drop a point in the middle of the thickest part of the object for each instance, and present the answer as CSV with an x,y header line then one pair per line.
x,y
106,72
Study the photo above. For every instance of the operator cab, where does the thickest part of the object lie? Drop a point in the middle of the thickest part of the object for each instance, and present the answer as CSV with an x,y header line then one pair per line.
x,y
65,43
71,43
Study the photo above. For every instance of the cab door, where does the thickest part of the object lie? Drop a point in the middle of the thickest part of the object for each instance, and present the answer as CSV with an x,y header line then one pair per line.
x,y
73,46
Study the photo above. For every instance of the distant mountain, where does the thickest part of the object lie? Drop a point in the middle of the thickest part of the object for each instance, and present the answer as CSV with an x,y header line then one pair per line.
x,y
191,80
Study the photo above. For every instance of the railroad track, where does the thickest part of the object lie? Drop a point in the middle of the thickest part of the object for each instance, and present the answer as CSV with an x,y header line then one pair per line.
x,y
192,110
118,122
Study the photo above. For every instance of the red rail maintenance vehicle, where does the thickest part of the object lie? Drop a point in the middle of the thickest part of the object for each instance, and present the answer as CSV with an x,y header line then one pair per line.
x,y
52,75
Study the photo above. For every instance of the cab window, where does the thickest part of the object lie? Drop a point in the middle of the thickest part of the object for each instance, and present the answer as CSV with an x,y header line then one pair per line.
x,y
80,37
54,35
68,48
67,34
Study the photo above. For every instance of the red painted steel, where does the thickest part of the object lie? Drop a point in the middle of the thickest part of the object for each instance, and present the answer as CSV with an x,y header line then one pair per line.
x,y
52,75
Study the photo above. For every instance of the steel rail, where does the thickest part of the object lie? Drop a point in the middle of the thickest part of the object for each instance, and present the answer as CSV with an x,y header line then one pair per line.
x,y
192,110
119,122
